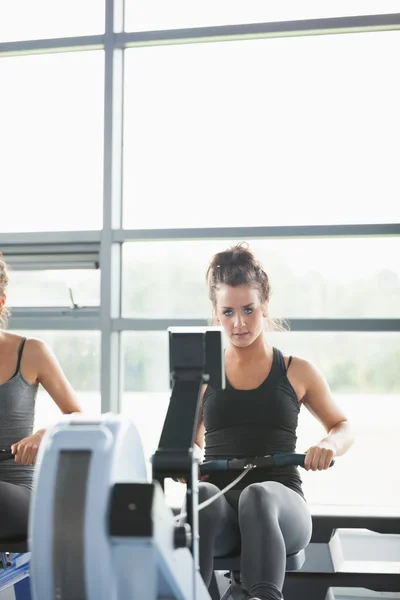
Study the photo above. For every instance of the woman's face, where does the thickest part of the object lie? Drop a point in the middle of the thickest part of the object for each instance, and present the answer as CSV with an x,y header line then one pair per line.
x,y
241,314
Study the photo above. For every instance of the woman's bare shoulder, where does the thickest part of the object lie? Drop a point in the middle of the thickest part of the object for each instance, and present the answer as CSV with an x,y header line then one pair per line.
x,y
10,340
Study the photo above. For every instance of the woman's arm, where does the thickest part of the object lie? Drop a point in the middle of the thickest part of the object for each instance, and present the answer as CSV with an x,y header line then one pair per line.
x,y
319,401
200,425
50,375
52,378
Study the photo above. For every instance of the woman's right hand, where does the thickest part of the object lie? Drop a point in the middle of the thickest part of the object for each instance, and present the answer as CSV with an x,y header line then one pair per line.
x,y
197,451
25,451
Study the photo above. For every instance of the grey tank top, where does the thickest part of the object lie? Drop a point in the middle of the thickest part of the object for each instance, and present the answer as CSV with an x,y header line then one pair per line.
x,y
17,413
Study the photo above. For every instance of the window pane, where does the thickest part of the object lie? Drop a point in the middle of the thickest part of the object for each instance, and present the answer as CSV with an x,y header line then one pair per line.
x,y
342,277
362,370
78,353
52,288
264,132
353,363
158,14
39,19
51,146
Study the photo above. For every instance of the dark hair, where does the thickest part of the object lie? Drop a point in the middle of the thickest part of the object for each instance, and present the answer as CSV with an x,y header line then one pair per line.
x,y
238,266
4,313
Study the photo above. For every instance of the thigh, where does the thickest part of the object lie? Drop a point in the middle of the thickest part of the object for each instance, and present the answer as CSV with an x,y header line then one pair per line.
x,y
224,520
14,509
294,516
273,503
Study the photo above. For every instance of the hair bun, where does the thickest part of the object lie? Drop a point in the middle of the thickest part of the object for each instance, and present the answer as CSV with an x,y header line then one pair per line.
x,y
241,255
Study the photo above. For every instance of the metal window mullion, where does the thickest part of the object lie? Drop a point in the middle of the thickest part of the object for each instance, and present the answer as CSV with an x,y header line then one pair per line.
x,y
334,25
245,31
44,46
350,325
278,231
44,238
55,319
110,250
54,324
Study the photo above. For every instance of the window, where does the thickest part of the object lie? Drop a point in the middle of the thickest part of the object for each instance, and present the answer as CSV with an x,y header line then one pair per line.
x,y
51,147
310,278
156,14
54,288
24,19
79,356
353,363
362,370
290,131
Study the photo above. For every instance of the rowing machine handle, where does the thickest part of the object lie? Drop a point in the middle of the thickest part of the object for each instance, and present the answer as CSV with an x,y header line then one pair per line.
x,y
5,454
290,458
278,460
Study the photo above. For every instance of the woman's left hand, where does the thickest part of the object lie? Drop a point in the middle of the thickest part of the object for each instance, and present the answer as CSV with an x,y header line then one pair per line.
x,y
26,450
319,457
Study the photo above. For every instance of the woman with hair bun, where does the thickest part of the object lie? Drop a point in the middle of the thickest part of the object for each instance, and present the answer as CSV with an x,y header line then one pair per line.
x,y
265,516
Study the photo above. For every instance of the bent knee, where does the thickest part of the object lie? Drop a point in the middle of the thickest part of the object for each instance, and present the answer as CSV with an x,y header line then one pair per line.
x,y
258,495
207,491
215,509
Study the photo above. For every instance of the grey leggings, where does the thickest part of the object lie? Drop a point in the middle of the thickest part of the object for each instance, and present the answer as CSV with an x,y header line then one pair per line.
x,y
264,522
14,510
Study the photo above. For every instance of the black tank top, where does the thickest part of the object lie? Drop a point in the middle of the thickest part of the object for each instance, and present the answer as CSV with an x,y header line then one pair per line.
x,y
245,423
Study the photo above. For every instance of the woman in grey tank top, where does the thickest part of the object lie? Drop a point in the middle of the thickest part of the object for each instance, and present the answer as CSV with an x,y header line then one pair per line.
x,y
24,364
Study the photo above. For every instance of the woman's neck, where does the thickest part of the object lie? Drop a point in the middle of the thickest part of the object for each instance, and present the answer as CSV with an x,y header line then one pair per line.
x,y
258,350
